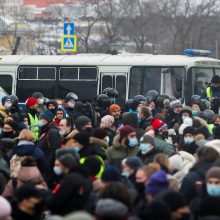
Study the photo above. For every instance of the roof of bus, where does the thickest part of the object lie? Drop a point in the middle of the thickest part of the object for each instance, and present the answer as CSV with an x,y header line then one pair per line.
x,y
106,59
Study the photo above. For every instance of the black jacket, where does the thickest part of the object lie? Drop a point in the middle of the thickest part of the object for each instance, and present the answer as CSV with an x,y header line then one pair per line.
x,y
149,156
191,148
72,194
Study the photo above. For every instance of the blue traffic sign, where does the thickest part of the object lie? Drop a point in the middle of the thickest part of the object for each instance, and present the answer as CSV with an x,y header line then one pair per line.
x,y
68,28
69,43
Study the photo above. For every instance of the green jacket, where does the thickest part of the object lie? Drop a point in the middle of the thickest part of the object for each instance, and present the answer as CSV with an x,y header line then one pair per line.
x,y
163,145
117,152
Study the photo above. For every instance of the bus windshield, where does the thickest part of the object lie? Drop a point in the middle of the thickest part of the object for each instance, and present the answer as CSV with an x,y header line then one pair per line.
x,y
167,80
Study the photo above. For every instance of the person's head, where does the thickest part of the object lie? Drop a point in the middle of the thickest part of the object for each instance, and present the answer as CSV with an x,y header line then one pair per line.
x,y
28,161
177,204
107,122
115,110
66,164
13,117
5,209
143,173
188,134
144,112
80,140
110,174
28,198
213,181
60,114
128,136
32,103
186,112
26,135
6,102
160,127
130,165
195,109
83,123
206,155
163,160
65,126
146,144
215,81
9,129
39,97
176,106
45,117
217,120
71,99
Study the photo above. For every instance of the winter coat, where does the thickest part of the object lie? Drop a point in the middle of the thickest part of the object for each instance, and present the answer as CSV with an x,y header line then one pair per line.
x,y
3,111
99,142
71,195
49,142
66,141
118,151
163,145
149,156
4,174
197,174
145,123
191,148
26,175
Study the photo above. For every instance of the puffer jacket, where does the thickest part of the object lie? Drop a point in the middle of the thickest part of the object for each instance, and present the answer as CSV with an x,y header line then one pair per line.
x,y
163,145
118,151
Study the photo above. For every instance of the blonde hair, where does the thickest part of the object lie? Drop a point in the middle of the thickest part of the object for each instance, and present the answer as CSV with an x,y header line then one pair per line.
x,y
163,160
26,135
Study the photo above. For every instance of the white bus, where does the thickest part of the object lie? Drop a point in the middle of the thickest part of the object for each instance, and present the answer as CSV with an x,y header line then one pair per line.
x,y
88,74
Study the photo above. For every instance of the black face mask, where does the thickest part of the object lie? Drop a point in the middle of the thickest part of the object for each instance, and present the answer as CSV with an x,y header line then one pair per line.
x,y
7,134
53,111
140,187
165,134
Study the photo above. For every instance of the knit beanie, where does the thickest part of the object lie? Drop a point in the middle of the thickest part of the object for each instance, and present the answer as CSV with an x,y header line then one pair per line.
x,y
69,161
47,115
157,183
208,115
37,95
99,133
82,121
114,107
147,139
157,124
12,124
107,121
213,172
175,103
111,174
125,131
82,138
31,101
110,209
130,118
133,162
189,130
5,208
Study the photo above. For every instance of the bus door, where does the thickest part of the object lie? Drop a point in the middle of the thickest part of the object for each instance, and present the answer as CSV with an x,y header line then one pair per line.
x,y
6,84
117,81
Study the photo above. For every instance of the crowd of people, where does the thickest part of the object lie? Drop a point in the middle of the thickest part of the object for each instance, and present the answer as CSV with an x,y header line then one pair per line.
x,y
153,158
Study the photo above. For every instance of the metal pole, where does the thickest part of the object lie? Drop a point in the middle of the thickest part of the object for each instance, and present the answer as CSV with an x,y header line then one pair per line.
x,y
216,49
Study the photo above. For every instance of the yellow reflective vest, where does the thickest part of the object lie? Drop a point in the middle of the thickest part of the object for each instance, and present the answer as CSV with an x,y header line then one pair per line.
x,y
209,92
34,126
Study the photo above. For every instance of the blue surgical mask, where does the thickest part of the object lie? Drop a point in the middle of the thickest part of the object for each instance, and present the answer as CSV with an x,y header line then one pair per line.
x,y
213,190
76,149
219,112
133,142
72,105
195,112
41,123
144,147
125,174
188,140
57,170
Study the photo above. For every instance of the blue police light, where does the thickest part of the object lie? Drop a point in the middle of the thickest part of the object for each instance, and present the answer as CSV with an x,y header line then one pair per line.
x,y
192,52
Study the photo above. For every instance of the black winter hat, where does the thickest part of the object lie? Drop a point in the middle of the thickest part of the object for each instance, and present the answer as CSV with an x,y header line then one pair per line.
x,y
111,174
215,79
82,138
66,150
129,118
47,115
99,133
69,161
82,121
133,162
189,130
12,124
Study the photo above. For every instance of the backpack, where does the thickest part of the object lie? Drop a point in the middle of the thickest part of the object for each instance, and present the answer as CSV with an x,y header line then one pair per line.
x,y
15,165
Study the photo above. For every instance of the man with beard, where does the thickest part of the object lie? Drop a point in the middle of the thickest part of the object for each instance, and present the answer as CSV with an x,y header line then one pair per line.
x,y
115,111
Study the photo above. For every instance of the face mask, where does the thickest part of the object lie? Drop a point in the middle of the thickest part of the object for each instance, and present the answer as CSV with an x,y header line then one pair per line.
x,y
184,117
57,170
107,139
188,140
213,190
72,105
53,111
133,142
9,134
41,123
60,106
41,101
62,133
144,148
195,112
7,105
76,149
125,174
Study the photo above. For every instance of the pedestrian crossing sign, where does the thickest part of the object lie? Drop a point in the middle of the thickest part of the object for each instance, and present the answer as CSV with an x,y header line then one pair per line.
x,y
69,43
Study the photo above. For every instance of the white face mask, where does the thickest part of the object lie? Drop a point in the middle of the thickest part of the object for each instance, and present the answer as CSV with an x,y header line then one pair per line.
x,y
42,123
107,139
41,101
188,140
8,105
62,133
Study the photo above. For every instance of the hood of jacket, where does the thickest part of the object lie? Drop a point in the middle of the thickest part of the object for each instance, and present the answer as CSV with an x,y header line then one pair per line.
x,y
24,149
28,174
100,142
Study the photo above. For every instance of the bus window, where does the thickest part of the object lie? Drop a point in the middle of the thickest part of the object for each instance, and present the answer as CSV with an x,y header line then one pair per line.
x,y
121,87
107,81
201,78
88,73
47,73
68,73
27,73
217,71
5,84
